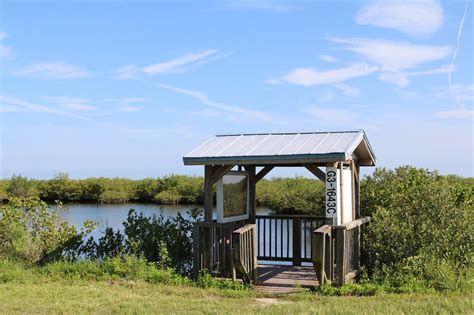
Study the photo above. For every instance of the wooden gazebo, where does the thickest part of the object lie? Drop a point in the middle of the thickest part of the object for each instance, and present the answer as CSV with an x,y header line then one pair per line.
x,y
231,249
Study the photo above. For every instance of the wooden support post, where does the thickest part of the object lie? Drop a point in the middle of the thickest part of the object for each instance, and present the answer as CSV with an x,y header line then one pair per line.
x,y
357,246
252,193
207,246
296,242
340,254
357,191
341,190
208,193
353,183
196,252
254,253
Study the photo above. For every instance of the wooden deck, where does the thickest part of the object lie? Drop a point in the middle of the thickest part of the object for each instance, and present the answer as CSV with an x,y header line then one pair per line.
x,y
280,279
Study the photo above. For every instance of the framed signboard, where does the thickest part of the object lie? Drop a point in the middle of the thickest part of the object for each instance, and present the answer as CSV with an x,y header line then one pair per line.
x,y
232,198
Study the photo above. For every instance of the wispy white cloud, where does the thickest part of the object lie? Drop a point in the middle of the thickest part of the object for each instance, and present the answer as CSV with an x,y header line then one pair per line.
x,y
204,99
328,58
178,65
125,72
126,100
347,89
310,76
464,92
128,108
11,103
455,53
455,114
394,56
397,78
55,70
5,51
214,58
261,5
127,104
75,104
402,78
414,17
332,115
175,64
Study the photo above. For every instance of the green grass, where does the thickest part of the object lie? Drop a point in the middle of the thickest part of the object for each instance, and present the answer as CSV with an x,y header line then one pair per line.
x,y
43,295
134,286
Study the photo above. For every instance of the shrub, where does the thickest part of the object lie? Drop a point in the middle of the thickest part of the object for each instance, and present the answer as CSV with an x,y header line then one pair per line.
x,y
167,197
421,227
30,231
19,186
166,242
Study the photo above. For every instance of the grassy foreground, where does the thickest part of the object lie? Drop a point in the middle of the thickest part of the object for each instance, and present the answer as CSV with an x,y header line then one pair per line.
x,y
121,296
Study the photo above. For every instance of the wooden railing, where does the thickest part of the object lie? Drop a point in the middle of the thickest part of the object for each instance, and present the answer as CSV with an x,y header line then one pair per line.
x,y
286,237
323,254
212,248
336,251
244,242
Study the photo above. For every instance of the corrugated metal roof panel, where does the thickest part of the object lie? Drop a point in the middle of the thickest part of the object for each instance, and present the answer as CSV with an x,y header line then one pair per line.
x,y
321,146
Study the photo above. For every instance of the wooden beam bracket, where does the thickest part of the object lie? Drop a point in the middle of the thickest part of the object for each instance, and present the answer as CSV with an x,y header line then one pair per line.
x,y
218,172
316,171
261,174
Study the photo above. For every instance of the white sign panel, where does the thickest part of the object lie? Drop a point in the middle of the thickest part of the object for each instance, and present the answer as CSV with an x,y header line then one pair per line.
x,y
232,198
332,195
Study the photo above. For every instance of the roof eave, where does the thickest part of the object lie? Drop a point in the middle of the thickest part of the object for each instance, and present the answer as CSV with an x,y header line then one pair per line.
x,y
266,160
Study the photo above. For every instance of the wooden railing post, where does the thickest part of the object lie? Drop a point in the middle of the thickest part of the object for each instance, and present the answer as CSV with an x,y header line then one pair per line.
x,y
296,242
341,232
196,251
254,254
245,256
322,253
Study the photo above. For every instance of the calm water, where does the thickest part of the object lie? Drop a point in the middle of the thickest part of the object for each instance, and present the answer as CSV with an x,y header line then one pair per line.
x,y
113,215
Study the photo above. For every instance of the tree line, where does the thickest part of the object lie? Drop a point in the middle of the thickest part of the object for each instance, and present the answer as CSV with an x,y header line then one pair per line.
x,y
285,195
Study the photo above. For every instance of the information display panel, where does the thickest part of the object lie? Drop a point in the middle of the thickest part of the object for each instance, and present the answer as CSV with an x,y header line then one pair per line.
x,y
232,198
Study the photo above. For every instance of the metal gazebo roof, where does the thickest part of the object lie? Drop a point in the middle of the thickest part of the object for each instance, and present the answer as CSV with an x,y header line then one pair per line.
x,y
283,148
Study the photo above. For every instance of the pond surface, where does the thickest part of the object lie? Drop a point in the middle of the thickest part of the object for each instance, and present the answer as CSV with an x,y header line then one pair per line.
x,y
112,215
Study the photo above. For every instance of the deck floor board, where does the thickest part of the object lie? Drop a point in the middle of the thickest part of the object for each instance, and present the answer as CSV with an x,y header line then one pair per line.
x,y
280,279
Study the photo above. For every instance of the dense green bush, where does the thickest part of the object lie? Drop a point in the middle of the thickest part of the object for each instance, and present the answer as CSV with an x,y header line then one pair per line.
x,y
29,230
164,241
421,228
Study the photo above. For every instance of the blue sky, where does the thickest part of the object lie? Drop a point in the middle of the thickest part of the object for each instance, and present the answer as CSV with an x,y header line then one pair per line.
x,y
126,88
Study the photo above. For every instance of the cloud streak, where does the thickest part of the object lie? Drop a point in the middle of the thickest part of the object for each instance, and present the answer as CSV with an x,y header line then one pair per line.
x,y
415,17
455,53
178,65
55,70
11,103
393,55
175,64
5,51
312,77
204,99
75,104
